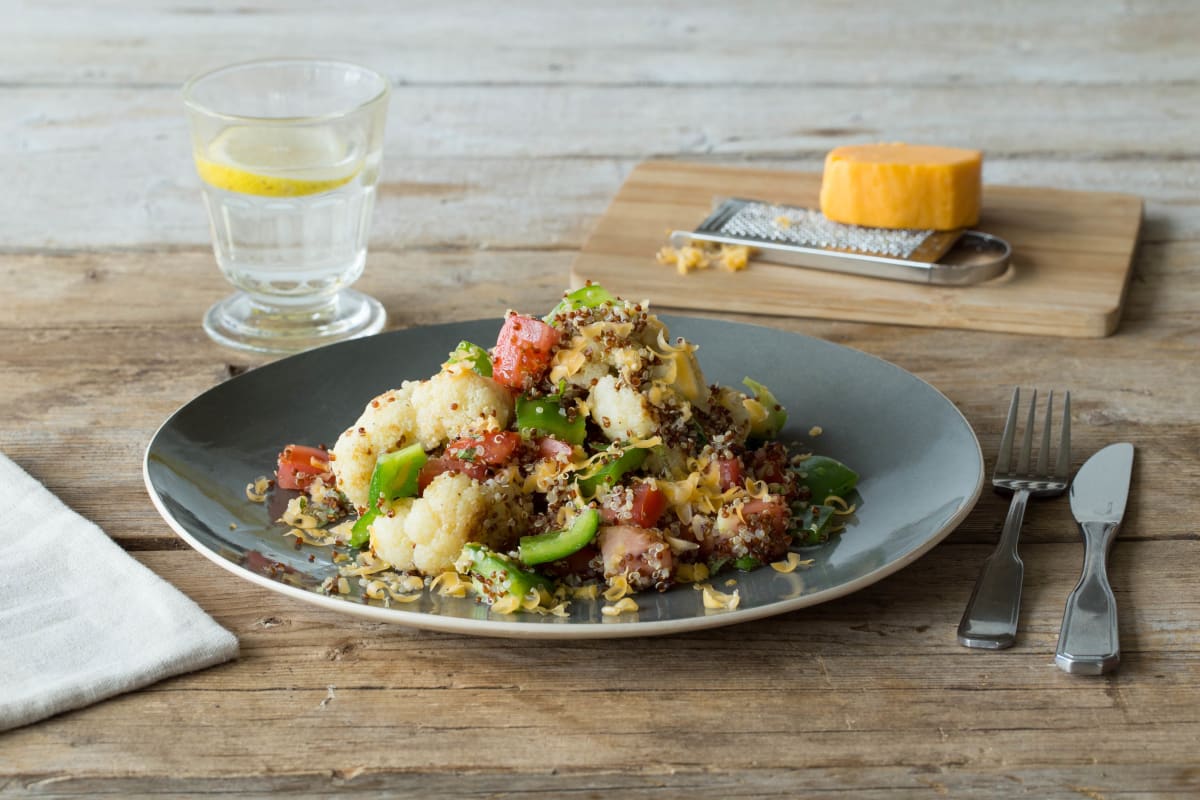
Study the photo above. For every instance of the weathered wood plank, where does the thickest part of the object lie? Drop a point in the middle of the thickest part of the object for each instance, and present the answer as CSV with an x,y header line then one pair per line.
x,y
392,702
430,123
830,688
820,783
628,43
525,165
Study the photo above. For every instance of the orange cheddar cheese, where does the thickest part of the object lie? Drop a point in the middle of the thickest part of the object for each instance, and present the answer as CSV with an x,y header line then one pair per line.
x,y
902,186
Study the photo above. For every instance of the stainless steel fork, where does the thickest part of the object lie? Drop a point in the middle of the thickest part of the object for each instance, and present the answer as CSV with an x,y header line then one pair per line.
x,y
990,619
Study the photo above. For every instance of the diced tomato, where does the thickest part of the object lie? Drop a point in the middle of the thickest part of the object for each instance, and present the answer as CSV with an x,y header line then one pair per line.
x,y
557,449
299,465
772,515
730,472
522,353
630,550
493,449
646,506
649,503
436,466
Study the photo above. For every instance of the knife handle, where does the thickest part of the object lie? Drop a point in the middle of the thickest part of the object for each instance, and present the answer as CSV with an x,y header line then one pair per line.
x,y
1087,644
989,621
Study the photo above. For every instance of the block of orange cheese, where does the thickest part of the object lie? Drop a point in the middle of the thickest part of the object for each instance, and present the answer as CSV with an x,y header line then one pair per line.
x,y
902,186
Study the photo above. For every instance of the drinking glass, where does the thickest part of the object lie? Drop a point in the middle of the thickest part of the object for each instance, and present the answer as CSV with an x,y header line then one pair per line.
x,y
289,152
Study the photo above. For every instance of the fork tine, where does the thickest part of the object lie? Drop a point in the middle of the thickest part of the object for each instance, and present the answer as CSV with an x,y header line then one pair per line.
x,y
1006,439
1044,453
1063,467
1027,444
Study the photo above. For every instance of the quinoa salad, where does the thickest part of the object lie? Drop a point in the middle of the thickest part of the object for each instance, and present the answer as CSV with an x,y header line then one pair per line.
x,y
582,456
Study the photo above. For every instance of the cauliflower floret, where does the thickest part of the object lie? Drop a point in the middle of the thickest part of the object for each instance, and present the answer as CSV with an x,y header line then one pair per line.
x,y
452,403
620,410
584,360
388,537
427,533
457,403
581,372
388,423
626,361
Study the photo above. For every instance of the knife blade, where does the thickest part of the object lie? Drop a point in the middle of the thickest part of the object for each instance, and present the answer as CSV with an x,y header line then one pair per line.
x,y
1088,642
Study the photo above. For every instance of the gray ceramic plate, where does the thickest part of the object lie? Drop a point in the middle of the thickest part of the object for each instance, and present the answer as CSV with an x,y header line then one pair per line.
x,y
919,460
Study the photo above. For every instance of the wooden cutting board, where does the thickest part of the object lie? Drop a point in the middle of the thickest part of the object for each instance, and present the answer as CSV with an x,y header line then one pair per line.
x,y
1072,256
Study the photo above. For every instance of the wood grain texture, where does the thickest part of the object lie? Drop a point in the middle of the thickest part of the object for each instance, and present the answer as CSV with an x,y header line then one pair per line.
x,y
1072,255
511,129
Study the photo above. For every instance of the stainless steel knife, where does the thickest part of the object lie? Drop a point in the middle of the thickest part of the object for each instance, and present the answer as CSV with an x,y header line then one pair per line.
x,y
1087,644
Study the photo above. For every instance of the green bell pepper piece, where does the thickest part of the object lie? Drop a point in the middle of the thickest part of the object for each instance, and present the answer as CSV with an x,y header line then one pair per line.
x,y
473,355
613,471
776,418
591,296
747,563
545,415
496,575
543,548
826,477
360,534
395,476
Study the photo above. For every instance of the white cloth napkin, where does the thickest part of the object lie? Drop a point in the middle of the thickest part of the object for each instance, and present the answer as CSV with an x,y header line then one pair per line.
x,y
80,620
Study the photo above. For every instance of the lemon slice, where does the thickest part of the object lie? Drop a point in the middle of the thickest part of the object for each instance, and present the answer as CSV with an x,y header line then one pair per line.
x,y
278,162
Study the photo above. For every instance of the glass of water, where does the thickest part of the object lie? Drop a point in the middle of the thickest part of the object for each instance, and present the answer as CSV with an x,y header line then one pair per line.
x,y
288,152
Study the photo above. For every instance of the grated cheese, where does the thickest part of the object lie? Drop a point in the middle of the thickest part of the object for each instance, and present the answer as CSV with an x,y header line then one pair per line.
x,y
704,255
624,605
256,491
713,599
617,589
402,597
790,563
597,461
587,592
366,566
508,604
308,538
450,584
839,505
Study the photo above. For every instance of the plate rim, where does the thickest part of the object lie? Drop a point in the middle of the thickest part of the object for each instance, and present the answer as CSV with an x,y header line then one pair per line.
x,y
617,629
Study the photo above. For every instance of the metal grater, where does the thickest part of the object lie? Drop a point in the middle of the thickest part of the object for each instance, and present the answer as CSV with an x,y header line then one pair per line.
x,y
804,237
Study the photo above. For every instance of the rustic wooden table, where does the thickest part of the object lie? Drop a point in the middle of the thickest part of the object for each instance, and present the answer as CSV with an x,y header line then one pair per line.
x,y
511,127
